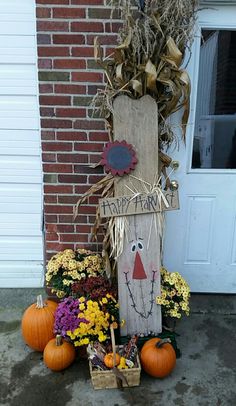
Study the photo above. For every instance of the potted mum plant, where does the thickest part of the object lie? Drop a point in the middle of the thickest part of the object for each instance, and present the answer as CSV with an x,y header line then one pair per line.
x,y
68,267
83,321
174,297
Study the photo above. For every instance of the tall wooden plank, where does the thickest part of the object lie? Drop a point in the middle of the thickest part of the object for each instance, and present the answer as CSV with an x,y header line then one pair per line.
x,y
136,122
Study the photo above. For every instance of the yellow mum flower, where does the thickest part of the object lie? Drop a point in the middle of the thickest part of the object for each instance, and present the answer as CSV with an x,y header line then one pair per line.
x,y
82,306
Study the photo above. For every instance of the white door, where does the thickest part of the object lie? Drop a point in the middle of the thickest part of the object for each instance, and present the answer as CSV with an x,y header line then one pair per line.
x,y
21,248
201,237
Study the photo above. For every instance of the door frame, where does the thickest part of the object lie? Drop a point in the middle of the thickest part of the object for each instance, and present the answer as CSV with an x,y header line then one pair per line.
x,y
205,20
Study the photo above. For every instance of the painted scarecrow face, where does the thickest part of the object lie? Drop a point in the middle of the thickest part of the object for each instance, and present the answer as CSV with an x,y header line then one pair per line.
x,y
140,276
136,249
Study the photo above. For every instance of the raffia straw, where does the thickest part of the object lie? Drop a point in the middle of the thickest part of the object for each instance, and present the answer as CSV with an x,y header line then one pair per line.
x,y
118,228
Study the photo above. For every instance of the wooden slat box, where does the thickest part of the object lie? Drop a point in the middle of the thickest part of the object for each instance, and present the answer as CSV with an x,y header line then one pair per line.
x,y
107,379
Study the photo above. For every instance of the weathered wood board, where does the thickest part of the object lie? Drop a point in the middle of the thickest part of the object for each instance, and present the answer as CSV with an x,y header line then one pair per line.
x,y
140,204
136,122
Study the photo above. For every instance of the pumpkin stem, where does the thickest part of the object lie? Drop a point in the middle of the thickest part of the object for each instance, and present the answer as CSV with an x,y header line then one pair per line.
x,y
58,340
40,304
162,342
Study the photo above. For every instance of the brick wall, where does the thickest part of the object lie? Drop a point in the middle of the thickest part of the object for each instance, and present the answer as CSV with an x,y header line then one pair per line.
x,y
71,139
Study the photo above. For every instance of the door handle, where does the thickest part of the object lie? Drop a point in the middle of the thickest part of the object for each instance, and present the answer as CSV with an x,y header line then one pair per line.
x,y
174,185
174,165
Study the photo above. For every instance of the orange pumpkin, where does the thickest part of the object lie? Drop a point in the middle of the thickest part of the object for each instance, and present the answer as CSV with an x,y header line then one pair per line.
x,y
37,323
58,354
158,357
109,360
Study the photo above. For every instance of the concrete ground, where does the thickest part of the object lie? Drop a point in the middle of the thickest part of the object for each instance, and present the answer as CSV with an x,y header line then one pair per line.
x,y
205,375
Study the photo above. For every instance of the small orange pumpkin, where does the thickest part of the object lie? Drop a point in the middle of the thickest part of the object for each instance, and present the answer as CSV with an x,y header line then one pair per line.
x,y
58,354
158,357
37,323
109,360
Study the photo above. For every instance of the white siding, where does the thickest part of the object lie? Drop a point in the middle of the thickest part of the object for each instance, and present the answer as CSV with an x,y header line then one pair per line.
x,y
21,242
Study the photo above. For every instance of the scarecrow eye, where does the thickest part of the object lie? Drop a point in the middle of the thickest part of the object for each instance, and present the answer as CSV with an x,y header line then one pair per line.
x,y
140,246
133,247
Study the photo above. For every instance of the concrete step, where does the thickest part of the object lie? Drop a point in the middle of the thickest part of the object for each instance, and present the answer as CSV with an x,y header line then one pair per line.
x,y
213,304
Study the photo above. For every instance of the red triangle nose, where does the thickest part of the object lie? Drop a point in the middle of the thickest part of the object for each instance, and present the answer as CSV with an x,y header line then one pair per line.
x,y
138,272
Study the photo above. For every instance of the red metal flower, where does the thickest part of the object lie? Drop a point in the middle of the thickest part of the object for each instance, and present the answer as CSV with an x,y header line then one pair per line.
x,y
119,157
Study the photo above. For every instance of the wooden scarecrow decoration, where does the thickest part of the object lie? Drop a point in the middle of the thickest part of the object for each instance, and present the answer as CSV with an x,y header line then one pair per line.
x,y
145,85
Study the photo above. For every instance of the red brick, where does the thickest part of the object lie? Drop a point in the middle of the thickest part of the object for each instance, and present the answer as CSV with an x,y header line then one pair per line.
x,y
69,64
103,39
99,136
68,199
92,89
94,158
52,237
83,158
42,12
47,112
87,2
51,123
81,189
43,39
88,26
52,26
45,88
74,237
73,112
94,200
48,135
94,179
61,12
71,136
50,199
62,189
44,63
56,146
57,168
55,100
87,76
72,179
113,27
89,124
88,146
64,228
83,228
49,157
49,218
48,2
68,219
56,209
53,51
68,39
87,169
51,228
82,51
109,52
54,246
70,89
87,209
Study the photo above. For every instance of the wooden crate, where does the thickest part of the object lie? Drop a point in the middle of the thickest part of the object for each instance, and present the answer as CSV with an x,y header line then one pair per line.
x,y
107,379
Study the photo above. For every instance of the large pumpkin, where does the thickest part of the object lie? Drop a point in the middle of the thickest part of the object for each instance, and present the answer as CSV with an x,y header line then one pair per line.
x,y
158,357
37,323
58,354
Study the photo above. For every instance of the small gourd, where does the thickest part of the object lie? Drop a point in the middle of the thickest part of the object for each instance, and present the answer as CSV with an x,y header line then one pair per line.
x,y
58,354
122,364
109,360
158,357
37,323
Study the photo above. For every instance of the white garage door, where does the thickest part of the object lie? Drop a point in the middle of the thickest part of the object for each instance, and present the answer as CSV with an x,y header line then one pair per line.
x,y
21,247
